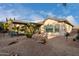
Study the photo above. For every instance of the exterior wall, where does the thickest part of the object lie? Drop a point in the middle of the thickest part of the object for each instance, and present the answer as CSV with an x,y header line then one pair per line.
x,y
50,22
62,26
68,28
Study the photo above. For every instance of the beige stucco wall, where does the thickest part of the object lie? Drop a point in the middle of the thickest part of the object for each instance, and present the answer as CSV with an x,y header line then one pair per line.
x,y
53,22
68,27
49,21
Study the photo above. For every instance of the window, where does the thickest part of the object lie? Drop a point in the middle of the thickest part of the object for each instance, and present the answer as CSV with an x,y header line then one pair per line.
x,y
49,28
57,28
52,28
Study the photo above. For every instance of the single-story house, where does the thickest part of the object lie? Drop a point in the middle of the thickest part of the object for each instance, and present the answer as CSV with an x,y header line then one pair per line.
x,y
55,26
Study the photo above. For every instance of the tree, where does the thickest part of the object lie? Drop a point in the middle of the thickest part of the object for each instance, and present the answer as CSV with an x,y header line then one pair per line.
x,y
29,30
1,24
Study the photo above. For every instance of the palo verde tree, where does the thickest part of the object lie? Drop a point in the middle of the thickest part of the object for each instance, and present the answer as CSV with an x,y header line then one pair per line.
x,y
6,25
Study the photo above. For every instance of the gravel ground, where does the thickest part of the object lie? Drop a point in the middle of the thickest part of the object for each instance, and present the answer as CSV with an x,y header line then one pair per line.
x,y
64,47
57,46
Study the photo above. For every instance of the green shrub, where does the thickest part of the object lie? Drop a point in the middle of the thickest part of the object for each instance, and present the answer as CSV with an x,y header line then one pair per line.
x,y
29,35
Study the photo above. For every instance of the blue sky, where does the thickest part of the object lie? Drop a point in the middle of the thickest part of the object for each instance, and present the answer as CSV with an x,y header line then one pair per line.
x,y
38,12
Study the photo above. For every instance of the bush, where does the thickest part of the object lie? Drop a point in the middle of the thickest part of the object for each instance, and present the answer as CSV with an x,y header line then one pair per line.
x,y
29,35
29,30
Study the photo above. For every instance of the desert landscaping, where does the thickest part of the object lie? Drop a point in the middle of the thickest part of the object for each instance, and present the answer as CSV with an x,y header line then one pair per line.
x,y
23,46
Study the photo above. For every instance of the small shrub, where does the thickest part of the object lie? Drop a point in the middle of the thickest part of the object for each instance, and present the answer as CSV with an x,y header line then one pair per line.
x,y
29,35
29,30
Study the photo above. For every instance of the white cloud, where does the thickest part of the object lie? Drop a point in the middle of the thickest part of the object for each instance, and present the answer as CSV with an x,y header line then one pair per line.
x,y
11,13
71,19
47,13
36,18
51,14
61,16
22,13
19,13
27,14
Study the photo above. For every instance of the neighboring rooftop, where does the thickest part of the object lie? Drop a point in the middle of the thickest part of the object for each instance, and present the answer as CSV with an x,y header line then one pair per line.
x,y
20,21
